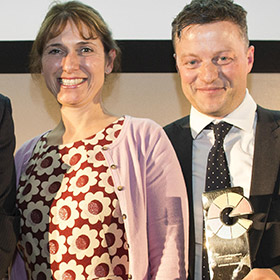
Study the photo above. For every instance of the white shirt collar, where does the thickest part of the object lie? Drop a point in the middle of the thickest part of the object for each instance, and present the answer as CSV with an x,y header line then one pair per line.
x,y
242,117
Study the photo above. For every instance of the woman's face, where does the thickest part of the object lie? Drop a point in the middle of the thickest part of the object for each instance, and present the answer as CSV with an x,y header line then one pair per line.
x,y
74,68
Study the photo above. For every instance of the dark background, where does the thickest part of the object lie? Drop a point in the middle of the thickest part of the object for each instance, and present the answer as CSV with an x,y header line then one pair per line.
x,y
140,56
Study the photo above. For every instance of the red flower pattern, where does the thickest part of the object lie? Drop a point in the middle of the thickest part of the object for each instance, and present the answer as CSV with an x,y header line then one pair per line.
x,y
76,216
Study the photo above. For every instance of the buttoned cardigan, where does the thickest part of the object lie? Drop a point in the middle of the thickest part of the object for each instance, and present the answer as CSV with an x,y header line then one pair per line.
x,y
152,196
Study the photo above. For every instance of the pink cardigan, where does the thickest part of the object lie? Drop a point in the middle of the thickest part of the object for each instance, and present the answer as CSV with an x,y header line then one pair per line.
x,y
153,198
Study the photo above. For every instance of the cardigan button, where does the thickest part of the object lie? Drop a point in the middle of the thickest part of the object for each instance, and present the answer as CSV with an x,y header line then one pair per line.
x,y
120,188
124,216
104,148
129,276
113,166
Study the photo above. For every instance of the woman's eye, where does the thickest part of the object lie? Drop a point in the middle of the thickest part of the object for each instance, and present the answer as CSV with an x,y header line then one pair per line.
x,y
86,50
54,51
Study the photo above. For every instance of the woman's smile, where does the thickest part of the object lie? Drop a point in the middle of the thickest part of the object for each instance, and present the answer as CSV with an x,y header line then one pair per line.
x,y
70,82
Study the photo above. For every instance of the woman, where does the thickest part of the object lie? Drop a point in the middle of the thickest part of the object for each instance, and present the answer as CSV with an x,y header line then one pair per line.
x,y
100,196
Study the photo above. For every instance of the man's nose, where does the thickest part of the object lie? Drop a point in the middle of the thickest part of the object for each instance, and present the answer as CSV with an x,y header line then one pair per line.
x,y
208,72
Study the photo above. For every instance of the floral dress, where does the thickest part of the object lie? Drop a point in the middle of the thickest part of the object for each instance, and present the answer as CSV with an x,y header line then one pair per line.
x,y
71,222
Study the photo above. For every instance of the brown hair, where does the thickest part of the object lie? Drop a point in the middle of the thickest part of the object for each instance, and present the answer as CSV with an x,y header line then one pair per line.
x,y
81,15
207,11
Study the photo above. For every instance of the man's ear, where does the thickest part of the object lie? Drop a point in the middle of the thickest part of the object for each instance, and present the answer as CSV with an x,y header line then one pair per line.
x,y
250,57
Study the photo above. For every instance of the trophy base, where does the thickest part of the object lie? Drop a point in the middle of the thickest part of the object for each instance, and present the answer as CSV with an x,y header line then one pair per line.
x,y
230,272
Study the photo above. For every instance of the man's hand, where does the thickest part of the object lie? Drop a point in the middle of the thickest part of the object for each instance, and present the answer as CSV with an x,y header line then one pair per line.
x,y
261,274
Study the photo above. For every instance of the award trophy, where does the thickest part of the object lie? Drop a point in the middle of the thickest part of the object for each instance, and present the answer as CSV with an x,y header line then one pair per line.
x,y
226,233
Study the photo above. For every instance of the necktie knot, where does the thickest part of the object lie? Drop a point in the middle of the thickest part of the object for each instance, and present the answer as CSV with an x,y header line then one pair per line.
x,y
220,129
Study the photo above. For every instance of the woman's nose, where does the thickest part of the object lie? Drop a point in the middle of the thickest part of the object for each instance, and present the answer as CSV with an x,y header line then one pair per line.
x,y
70,62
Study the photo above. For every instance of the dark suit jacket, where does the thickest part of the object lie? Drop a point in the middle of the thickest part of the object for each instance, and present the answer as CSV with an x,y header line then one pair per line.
x,y
9,220
264,236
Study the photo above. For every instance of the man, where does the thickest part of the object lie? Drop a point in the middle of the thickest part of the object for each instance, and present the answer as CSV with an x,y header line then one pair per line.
x,y
213,59
9,220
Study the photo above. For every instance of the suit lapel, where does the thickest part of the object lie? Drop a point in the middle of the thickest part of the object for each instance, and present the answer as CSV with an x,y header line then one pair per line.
x,y
266,154
186,155
264,174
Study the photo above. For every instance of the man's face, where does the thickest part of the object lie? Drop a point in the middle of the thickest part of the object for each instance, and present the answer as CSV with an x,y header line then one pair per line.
x,y
213,62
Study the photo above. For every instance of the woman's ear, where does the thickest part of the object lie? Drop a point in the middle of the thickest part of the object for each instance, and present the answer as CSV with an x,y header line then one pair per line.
x,y
110,61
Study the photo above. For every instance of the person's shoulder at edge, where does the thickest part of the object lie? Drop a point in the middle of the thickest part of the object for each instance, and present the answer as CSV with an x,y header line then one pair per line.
x,y
4,97
5,103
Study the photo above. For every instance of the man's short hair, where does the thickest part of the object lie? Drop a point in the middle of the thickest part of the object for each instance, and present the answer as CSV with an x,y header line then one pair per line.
x,y
209,11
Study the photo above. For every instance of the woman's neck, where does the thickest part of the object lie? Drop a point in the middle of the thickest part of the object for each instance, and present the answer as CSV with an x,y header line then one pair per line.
x,y
79,123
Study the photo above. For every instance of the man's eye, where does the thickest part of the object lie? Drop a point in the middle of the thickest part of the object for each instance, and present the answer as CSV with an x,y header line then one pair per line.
x,y
223,60
191,64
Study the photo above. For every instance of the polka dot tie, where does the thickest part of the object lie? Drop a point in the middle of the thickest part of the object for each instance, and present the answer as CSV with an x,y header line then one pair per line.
x,y
217,176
